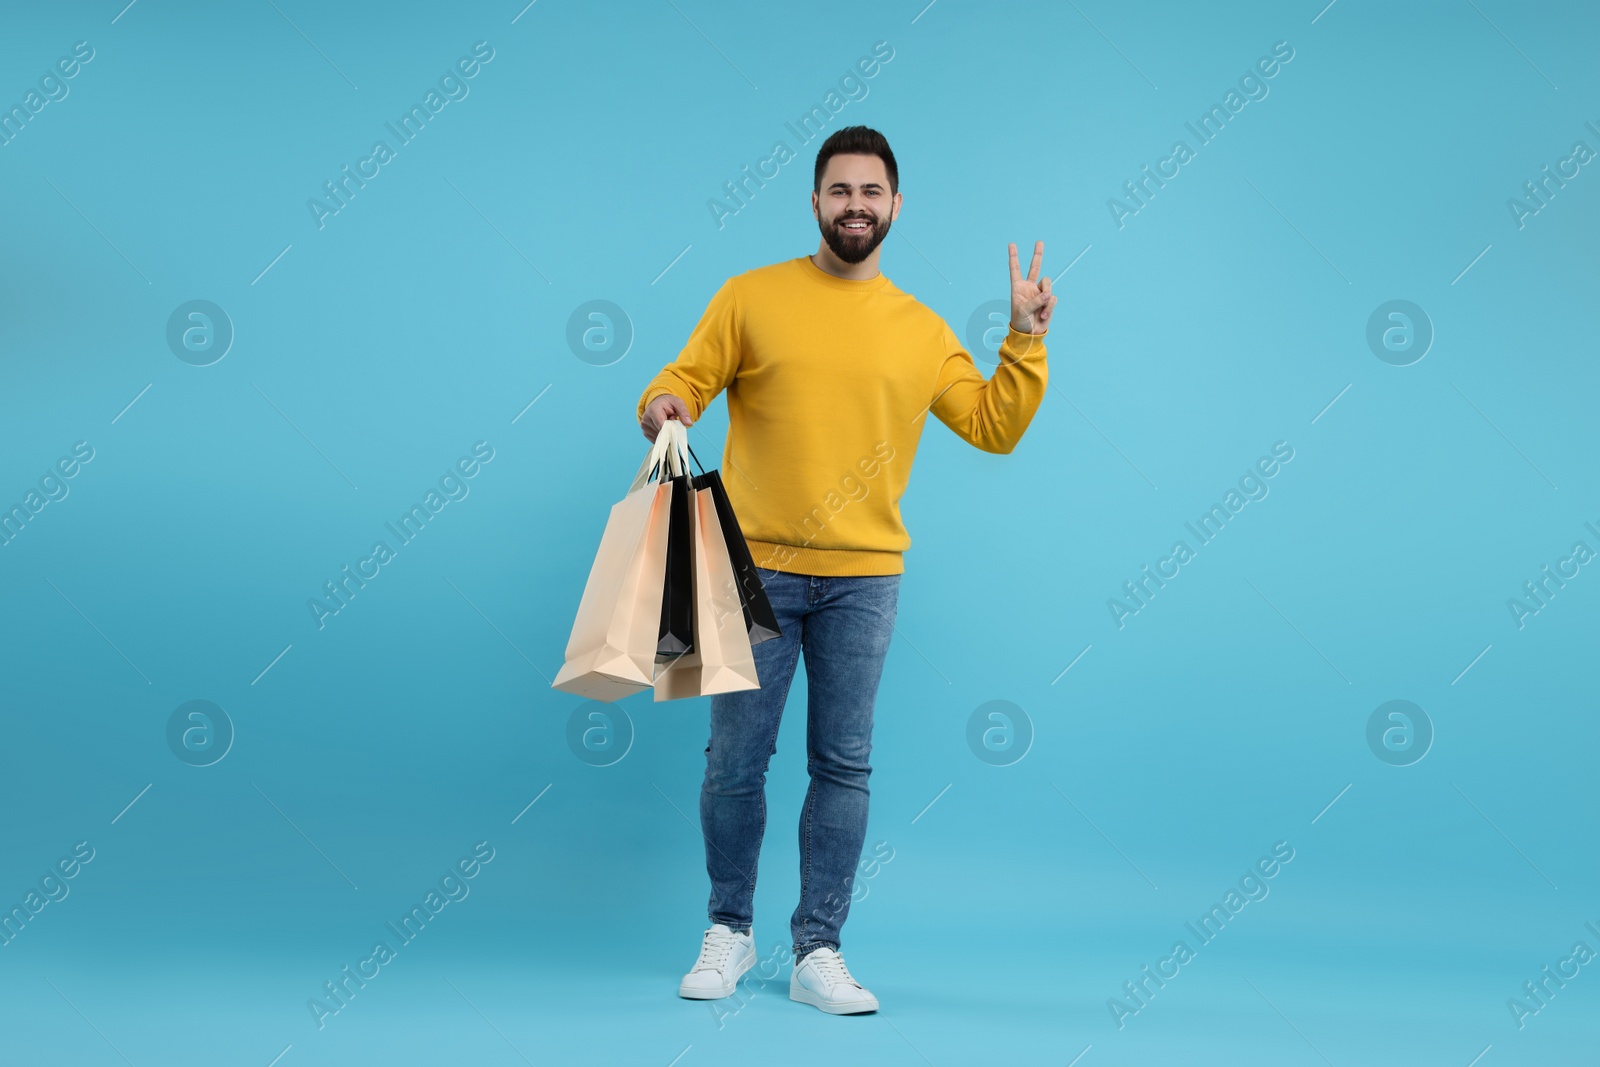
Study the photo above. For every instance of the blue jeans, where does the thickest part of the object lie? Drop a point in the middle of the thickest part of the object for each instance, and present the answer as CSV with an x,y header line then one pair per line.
x,y
844,626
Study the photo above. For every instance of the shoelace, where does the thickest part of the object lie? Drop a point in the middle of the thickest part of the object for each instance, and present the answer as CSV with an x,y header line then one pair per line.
x,y
714,951
830,966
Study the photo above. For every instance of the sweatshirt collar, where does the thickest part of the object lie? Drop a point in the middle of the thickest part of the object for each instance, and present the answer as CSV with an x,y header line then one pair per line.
x,y
856,285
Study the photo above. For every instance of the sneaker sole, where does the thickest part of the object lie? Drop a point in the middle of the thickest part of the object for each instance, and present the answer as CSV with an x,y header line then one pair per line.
x,y
689,993
804,996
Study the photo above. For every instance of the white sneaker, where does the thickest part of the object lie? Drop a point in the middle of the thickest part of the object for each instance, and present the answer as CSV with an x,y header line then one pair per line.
x,y
724,957
823,981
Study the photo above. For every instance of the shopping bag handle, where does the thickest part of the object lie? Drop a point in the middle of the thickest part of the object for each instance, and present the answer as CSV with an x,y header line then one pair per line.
x,y
671,450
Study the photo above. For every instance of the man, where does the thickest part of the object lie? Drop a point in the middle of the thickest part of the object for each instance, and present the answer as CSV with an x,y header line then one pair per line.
x,y
830,371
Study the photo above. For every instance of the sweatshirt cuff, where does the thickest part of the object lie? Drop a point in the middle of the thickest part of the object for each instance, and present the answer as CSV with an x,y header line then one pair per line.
x,y
649,395
1022,346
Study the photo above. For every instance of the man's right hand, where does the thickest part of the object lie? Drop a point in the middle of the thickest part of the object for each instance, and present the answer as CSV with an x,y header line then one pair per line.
x,y
660,409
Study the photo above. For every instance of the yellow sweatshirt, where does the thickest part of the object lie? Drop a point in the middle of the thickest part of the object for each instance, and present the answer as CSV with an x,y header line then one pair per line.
x,y
829,384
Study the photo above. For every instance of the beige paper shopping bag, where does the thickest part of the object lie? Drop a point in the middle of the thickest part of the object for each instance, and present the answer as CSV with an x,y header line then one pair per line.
x,y
721,661
612,648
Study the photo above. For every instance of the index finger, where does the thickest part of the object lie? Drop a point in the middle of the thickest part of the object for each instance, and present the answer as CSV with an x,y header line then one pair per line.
x,y
1016,272
1038,256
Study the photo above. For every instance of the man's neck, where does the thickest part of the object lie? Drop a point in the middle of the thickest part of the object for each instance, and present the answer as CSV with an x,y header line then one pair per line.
x,y
829,263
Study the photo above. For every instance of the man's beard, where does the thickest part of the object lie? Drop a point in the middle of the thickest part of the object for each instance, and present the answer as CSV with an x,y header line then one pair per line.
x,y
852,247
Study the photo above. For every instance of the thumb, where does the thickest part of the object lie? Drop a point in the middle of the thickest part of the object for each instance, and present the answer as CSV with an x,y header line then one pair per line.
x,y
682,411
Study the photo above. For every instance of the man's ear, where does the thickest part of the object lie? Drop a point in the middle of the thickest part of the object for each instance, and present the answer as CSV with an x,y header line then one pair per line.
x,y
895,215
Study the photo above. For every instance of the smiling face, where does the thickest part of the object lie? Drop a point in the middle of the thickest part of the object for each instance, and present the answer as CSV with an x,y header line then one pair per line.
x,y
854,207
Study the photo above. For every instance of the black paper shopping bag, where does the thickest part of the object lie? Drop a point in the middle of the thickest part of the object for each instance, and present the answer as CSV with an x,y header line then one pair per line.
x,y
677,591
759,618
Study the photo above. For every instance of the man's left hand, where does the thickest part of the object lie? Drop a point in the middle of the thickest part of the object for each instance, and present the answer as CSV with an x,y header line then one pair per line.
x,y
1032,302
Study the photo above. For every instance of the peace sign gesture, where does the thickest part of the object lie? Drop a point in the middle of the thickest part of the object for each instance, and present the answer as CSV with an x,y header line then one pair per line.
x,y
1031,299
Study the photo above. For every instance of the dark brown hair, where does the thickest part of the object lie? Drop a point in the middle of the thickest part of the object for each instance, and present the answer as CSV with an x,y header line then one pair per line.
x,y
856,140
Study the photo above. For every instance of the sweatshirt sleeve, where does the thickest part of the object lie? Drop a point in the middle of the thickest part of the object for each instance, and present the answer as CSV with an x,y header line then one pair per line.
x,y
709,359
992,414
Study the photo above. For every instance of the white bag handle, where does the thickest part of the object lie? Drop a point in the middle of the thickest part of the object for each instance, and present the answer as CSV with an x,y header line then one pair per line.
x,y
677,450
671,450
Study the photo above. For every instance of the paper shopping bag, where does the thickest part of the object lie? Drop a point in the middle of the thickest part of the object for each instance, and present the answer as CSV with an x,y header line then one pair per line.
x,y
760,622
721,661
611,651
676,637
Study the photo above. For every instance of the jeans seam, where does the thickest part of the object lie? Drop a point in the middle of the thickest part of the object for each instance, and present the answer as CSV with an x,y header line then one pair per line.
x,y
761,793
810,801
805,851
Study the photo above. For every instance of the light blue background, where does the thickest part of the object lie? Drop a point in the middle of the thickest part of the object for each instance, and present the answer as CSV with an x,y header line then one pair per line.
x,y
370,354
